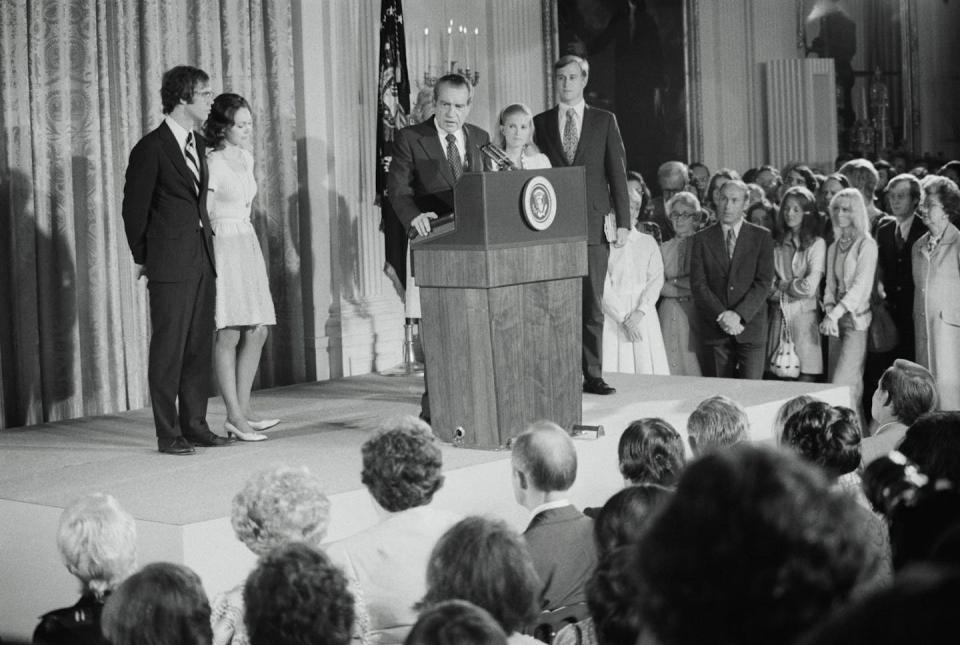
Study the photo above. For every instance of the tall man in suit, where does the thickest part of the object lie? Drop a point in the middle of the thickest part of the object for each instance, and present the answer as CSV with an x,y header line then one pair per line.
x,y
560,537
165,217
731,272
428,159
575,134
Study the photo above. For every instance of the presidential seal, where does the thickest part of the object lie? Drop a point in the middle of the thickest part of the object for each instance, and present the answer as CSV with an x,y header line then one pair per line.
x,y
539,203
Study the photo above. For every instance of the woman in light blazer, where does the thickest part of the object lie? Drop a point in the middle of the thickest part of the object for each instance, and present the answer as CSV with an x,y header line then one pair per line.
x,y
936,299
851,266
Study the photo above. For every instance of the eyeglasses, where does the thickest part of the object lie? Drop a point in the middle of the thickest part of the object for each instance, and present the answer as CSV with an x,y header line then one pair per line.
x,y
676,215
205,93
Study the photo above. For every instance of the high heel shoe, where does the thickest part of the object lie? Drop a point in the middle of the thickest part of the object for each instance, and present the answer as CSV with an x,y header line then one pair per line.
x,y
235,432
264,424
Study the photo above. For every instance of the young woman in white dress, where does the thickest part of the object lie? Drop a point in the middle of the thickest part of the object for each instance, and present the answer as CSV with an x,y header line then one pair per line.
x,y
516,138
244,306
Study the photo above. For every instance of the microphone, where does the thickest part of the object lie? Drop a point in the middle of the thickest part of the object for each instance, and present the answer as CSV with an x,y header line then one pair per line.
x,y
440,221
499,158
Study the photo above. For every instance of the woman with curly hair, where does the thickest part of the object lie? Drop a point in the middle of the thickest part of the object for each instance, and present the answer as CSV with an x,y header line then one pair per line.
x,y
275,506
384,564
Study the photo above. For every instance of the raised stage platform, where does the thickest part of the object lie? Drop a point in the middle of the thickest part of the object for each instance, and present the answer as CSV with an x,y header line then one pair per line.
x,y
182,504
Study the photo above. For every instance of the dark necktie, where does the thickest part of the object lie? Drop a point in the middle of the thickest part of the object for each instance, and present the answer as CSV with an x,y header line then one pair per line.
x,y
570,136
731,242
190,152
898,238
453,156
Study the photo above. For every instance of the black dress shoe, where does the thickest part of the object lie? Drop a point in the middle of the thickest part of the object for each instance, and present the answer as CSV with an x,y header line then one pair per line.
x,y
175,446
210,440
598,386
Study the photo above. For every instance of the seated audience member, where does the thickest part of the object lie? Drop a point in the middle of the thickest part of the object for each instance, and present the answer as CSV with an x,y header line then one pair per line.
x,y
560,538
276,506
933,443
486,563
455,622
650,451
611,592
679,322
716,423
98,543
904,393
516,138
754,547
162,604
919,607
700,179
632,341
384,564
672,177
786,411
297,596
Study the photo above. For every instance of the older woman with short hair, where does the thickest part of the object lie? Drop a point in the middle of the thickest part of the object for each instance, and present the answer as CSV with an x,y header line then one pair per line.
x,y
851,266
98,542
276,506
936,276
384,564
162,604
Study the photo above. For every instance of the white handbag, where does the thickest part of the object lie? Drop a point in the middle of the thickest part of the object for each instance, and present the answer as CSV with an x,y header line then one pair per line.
x,y
785,363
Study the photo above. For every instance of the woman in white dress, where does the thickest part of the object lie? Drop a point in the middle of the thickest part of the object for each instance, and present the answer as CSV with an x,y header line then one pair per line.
x,y
516,138
632,340
244,307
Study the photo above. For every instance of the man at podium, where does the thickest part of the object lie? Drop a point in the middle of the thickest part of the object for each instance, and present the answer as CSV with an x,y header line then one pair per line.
x,y
575,134
428,159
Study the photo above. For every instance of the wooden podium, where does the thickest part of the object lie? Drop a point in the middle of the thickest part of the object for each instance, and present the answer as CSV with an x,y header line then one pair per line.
x,y
501,306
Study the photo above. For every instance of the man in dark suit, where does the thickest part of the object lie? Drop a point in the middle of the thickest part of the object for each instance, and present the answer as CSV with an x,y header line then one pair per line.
x,y
559,537
165,218
428,159
731,271
574,134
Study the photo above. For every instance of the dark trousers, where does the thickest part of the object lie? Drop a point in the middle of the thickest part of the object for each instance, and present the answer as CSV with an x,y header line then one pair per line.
x,y
733,359
181,349
592,331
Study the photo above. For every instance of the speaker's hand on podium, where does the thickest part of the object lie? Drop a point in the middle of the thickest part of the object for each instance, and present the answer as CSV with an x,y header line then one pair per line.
x,y
621,237
422,223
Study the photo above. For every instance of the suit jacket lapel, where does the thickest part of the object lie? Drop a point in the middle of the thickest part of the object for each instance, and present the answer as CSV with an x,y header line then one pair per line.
x,y
585,127
430,143
173,151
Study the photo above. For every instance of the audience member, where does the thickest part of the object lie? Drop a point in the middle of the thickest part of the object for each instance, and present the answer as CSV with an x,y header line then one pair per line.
x,y
486,563
679,322
933,443
731,271
786,411
673,177
762,213
895,239
456,622
650,451
863,176
632,340
950,170
162,604
700,179
622,519
276,506
829,187
297,596
904,393
768,178
712,197
936,276
384,564
851,264
755,195
799,262
718,422
799,175
559,536
884,174
98,543
754,547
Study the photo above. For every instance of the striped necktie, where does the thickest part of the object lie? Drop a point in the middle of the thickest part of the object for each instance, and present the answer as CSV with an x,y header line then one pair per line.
x,y
731,242
190,152
571,137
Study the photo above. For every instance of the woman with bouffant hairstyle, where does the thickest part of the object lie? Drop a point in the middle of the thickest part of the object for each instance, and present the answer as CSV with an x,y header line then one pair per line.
x,y
651,452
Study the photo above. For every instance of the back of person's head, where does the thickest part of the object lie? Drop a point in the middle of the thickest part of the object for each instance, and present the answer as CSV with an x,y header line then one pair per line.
x,y
455,622
485,562
651,451
910,389
717,422
162,604
920,522
786,411
98,542
919,607
297,596
933,442
279,505
622,519
752,548
546,457
612,593
402,464
826,435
